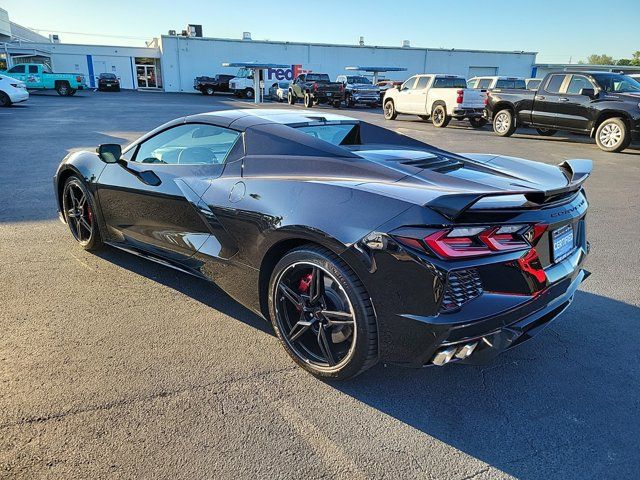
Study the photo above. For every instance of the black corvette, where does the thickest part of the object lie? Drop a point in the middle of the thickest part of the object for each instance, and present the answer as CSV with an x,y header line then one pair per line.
x,y
358,243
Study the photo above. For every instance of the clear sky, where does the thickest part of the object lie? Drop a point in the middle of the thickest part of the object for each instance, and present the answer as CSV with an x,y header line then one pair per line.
x,y
559,30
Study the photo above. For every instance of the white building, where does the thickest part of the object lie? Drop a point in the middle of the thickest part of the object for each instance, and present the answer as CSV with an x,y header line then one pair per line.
x,y
184,58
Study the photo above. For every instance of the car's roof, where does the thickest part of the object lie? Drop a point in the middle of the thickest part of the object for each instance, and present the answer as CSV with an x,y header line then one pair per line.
x,y
243,118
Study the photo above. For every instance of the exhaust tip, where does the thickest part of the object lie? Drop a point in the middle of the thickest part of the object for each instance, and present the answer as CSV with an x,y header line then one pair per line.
x,y
444,356
466,350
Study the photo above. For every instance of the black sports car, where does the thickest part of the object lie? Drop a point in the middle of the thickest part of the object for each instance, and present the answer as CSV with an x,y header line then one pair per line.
x,y
358,243
108,81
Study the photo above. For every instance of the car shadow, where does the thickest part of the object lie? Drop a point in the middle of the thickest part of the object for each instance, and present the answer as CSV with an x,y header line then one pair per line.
x,y
199,289
564,405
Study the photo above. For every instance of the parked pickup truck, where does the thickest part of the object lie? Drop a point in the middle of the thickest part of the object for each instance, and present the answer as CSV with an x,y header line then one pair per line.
x,y
436,96
358,89
603,105
38,76
315,88
211,85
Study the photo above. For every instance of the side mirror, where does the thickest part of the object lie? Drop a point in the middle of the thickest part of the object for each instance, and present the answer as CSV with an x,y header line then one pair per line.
x,y
109,152
589,92
398,87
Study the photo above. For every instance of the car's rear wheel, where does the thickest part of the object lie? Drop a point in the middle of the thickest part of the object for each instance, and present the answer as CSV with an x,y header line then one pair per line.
x,y
613,135
504,124
546,132
5,101
390,110
63,88
439,117
337,104
291,100
80,214
308,100
322,314
209,91
478,122
249,93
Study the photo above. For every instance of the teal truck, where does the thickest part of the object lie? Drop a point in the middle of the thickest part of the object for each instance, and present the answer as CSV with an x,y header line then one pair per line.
x,y
38,76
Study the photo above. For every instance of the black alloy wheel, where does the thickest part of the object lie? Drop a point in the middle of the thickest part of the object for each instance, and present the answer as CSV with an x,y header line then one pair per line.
x,y
322,314
79,213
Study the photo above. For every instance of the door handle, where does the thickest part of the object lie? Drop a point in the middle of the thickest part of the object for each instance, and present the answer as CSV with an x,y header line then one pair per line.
x,y
563,99
541,97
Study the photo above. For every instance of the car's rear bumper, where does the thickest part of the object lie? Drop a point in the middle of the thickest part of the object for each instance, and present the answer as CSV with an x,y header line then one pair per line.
x,y
468,113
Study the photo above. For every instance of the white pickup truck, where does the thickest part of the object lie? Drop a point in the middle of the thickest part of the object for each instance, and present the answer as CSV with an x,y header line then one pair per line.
x,y
438,97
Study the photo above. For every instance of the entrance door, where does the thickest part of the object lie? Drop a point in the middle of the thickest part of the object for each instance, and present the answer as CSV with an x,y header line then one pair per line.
x,y
146,76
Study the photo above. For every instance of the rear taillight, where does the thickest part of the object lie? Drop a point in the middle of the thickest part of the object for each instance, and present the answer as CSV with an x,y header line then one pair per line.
x,y
460,97
315,87
341,88
465,242
486,99
78,79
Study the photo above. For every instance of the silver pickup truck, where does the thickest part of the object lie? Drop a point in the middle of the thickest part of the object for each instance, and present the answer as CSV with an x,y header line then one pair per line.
x,y
358,89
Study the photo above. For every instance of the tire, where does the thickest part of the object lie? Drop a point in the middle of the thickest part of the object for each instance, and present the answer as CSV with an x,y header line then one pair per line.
x,y
424,117
308,100
72,92
349,102
478,122
209,91
613,135
249,93
291,100
353,344
504,123
337,104
439,116
389,110
5,101
546,132
63,89
81,216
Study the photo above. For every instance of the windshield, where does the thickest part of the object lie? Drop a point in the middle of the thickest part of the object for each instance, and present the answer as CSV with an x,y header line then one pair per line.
x,y
243,73
332,133
317,77
449,82
358,79
283,84
616,83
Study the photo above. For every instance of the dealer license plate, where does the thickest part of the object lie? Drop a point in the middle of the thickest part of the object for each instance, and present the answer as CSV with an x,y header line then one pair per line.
x,y
329,94
562,241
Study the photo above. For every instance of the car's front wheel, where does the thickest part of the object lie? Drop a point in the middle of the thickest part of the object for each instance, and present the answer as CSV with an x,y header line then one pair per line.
x,y
79,212
209,91
613,135
5,101
322,314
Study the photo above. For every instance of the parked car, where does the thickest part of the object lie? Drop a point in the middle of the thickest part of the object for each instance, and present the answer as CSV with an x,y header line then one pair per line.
x,y
12,91
358,89
603,105
242,83
359,244
211,85
278,91
385,85
533,83
438,97
108,81
489,83
38,76
315,88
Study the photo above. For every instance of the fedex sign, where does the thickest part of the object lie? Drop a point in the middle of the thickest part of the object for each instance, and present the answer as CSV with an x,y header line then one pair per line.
x,y
285,73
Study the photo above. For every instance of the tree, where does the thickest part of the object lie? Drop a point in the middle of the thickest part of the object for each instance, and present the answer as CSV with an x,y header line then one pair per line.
x,y
624,62
636,58
595,59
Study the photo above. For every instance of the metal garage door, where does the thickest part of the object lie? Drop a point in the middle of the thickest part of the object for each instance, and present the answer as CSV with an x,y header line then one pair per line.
x,y
482,71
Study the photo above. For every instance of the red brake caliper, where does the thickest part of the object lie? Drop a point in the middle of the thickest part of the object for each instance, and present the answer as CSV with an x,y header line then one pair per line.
x,y
305,281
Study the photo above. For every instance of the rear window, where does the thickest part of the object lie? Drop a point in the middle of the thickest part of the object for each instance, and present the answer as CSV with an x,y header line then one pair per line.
x,y
484,83
447,82
533,84
506,83
317,77
108,76
332,133
554,83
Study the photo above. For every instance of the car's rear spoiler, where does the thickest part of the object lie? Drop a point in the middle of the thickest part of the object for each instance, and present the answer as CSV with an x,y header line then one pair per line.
x,y
454,205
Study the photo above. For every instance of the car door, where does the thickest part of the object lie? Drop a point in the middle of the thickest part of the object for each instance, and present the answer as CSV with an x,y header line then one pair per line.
x,y
297,89
403,100
544,112
150,198
575,111
418,95
33,77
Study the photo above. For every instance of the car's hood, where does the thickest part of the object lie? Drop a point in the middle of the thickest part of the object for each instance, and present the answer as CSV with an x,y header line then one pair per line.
x,y
428,175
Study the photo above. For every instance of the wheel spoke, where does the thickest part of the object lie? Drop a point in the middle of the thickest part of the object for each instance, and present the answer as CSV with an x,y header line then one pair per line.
x,y
78,228
85,224
290,294
338,318
325,347
316,289
71,213
299,328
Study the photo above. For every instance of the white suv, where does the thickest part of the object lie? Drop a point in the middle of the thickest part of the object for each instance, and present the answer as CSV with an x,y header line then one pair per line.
x,y
12,91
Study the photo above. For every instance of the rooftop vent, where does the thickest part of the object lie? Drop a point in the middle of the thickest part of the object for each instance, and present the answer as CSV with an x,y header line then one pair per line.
x,y
406,44
172,33
54,38
246,35
362,41
194,30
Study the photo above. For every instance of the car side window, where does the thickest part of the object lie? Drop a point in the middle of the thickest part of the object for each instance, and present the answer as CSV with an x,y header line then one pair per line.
x,y
33,69
422,83
17,69
577,83
190,144
408,85
554,83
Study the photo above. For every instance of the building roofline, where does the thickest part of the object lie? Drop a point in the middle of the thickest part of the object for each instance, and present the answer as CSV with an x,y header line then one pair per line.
x,y
314,44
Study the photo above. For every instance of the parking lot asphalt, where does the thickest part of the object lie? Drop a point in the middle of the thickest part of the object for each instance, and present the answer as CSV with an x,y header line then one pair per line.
x,y
112,367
